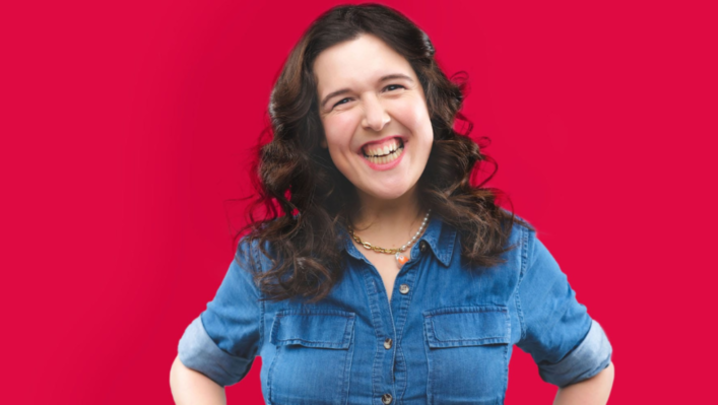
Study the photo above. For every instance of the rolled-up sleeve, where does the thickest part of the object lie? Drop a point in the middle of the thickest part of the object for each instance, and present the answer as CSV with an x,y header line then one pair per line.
x,y
566,344
222,341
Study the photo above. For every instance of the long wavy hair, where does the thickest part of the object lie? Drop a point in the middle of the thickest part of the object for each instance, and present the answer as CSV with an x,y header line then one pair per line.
x,y
303,196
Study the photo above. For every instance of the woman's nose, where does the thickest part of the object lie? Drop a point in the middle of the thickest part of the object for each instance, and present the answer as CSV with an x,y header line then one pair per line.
x,y
375,116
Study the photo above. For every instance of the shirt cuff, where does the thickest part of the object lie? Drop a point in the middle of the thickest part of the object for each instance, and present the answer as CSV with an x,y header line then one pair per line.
x,y
198,351
586,360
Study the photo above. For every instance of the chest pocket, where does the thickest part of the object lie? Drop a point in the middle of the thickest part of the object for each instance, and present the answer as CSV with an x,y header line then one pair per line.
x,y
467,354
313,357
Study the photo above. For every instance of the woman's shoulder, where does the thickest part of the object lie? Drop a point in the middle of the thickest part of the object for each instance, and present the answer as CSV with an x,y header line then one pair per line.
x,y
514,238
258,245
521,228
525,238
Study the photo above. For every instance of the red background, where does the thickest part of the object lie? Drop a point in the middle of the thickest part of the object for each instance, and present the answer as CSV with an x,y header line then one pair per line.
x,y
125,132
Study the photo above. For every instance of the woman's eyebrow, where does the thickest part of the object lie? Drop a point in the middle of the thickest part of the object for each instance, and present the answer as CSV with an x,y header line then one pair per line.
x,y
382,79
395,76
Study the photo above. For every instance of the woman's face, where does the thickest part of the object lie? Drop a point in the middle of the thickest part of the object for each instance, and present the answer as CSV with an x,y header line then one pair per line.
x,y
375,117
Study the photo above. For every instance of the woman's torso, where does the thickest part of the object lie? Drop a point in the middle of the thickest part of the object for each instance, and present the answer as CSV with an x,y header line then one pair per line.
x,y
445,336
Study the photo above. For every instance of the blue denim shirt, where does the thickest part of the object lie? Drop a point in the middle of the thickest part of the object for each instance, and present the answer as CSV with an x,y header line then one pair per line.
x,y
446,337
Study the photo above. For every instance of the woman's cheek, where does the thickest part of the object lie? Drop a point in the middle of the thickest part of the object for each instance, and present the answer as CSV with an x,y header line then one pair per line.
x,y
341,126
411,112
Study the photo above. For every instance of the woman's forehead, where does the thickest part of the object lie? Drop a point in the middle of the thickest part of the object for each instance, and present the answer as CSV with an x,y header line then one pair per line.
x,y
364,60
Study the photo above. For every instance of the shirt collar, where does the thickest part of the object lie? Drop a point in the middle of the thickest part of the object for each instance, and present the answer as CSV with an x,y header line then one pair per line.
x,y
438,235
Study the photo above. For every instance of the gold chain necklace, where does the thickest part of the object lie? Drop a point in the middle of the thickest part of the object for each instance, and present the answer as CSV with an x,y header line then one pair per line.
x,y
400,259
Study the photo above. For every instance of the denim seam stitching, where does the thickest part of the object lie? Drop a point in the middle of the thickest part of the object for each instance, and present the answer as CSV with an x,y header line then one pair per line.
x,y
522,274
449,250
506,370
468,339
270,373
261,302
344,388
447,311
429,387
345,335
333,343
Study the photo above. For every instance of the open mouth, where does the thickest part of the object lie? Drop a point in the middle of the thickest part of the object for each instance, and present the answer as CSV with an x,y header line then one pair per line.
x,y
386,153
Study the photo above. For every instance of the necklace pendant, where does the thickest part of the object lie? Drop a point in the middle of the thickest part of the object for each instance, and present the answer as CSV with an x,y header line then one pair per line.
x,y
400,259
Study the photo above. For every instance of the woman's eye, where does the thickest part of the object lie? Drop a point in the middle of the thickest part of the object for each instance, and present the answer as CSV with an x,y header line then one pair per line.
x,y
394,85
341,101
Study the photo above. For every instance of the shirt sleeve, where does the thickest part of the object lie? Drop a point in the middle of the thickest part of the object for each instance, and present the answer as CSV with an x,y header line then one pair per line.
x,y
556,330
222,341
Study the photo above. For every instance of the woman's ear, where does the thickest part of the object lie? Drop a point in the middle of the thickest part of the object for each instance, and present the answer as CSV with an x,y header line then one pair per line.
x,y
323,143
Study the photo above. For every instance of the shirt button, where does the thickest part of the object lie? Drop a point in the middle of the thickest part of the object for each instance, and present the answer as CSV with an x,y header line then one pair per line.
x,y
404,289
387,343
386,398
423,246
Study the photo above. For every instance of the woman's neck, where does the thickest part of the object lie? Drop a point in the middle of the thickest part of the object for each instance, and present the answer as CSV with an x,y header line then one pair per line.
x,y
388,223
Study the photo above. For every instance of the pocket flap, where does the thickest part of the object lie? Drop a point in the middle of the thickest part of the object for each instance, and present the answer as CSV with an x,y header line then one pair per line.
x,y
467,326
329,330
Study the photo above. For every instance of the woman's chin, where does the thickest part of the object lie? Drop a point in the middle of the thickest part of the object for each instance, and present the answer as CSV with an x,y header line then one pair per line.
x,y
388,194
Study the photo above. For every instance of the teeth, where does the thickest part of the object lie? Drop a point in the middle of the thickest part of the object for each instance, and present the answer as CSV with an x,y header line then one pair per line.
x,y
383,151
386,159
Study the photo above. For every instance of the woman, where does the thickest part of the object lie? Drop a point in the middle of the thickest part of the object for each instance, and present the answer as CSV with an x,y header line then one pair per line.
x,y
383,275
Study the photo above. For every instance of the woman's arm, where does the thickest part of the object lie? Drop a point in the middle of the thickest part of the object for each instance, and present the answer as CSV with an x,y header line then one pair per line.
x,y
593,391
191,387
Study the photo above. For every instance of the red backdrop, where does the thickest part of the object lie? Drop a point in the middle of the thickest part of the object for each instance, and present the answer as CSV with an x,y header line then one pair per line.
x,y
126,127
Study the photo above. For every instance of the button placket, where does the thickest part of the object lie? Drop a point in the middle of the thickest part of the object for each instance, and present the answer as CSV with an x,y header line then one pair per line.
x,y
408,275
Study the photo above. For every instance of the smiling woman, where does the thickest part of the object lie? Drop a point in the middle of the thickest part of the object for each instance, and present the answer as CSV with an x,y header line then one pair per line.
x,y
380,108
381,274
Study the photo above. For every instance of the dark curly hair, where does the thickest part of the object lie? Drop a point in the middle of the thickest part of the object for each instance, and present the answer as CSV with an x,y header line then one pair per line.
x,y
305,198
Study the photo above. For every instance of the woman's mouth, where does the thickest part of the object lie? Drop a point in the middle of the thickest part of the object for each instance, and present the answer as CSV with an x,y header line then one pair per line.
x,y
385,155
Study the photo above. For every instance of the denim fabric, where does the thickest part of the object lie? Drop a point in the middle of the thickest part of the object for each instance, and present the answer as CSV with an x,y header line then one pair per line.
x,y
452,327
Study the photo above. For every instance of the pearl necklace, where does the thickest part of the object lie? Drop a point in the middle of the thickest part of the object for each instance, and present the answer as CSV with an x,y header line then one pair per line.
x,y
400,258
